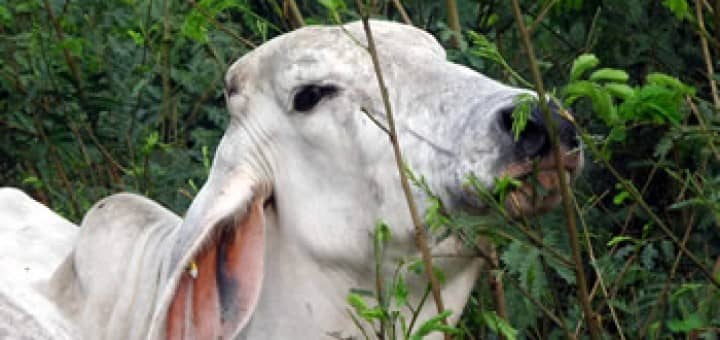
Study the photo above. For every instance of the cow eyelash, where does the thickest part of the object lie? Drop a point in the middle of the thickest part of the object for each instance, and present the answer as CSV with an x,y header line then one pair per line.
x,y
310,95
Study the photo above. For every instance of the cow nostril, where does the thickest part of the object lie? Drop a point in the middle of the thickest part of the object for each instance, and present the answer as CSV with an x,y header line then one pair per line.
x,y
533,141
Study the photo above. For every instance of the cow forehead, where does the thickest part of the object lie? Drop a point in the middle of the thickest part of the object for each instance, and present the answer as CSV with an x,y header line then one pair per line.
x,y
314,53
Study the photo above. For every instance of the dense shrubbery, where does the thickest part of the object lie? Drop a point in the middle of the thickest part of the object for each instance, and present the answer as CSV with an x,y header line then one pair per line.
x,y
102,96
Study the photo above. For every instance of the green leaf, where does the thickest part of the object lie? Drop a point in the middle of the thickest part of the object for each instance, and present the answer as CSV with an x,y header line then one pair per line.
x,y
648,256
663,146
72,45
582,64
610,74
418,267
5,16
382,232
484,48
524,262
33,182
499,325
669,82
400,291
679,8
621,197
521,113
621,91
151,141
136,37
618,133
376,313
618,239
659,101
602,101
504,185
434,214
333,5
686,325
434,324
195,27
357,302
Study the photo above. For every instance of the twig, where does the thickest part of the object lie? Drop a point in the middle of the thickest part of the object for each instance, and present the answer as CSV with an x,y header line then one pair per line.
x,y
637,197
358,324
703,126
600,280
706,55
453,22
496,284
564,188
293,13
542,307
666,286
220,26
539,18
420,237
375,121
416,311
403,14
628,218
379,289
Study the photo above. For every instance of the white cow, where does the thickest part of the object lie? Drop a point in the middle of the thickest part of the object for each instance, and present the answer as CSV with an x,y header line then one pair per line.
x,y
281,230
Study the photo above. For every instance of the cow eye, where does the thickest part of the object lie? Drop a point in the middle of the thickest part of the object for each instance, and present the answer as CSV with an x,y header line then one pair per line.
x,y
309,95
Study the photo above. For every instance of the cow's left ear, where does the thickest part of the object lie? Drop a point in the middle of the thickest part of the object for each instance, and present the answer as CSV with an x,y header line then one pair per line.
x,y
217,262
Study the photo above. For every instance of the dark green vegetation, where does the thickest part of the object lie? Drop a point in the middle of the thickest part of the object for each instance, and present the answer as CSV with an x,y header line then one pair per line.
x,y
104,96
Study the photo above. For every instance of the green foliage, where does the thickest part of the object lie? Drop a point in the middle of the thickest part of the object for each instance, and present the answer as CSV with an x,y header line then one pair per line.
x,y
386,317
523,105
679,8
138,106
582,64
499,325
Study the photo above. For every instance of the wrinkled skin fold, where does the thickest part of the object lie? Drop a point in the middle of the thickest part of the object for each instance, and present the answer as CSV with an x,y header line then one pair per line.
x,y
282,229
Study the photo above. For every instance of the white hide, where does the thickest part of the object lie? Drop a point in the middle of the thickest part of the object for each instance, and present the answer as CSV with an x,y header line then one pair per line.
x,y
326,177
33,239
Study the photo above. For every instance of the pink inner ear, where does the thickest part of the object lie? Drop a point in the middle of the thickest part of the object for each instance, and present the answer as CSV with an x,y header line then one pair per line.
x,y
219,302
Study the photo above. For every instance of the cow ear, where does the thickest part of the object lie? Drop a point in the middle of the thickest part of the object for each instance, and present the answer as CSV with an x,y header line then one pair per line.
x,y
217,289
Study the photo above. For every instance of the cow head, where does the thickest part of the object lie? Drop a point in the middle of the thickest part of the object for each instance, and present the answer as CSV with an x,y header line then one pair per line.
x,y
301,145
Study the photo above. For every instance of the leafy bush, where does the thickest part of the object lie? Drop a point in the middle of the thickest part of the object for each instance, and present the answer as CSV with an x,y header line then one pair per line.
x,y
99,97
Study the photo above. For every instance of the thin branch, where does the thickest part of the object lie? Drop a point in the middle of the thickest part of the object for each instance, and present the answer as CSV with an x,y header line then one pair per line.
x,y
539,18
453,22
666,287
567,198
637,197
706,55
403,14
703,126
420,237
496,284
600,279
375,121
554,318
293,13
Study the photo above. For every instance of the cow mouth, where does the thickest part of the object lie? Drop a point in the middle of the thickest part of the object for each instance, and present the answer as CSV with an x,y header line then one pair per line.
x,y
540,189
